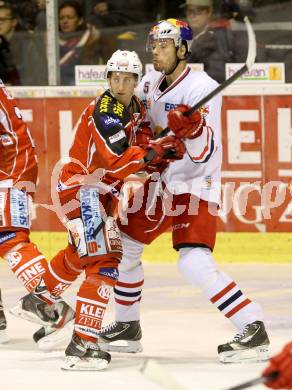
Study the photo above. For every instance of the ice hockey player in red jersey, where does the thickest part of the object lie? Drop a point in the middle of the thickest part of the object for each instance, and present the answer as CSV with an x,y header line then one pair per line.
x,y
105,150
18,176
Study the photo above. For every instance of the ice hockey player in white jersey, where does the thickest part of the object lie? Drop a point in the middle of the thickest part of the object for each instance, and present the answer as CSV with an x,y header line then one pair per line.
x,y
194,183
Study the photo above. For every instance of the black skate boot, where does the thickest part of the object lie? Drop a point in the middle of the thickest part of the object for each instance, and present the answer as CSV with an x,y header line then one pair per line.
x,y
33,308
83,355
57,334
3,324
121,337
252,345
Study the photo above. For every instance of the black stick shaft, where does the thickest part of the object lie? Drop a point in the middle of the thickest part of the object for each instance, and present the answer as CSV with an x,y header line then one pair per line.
x,y
208,97
256,381
217,90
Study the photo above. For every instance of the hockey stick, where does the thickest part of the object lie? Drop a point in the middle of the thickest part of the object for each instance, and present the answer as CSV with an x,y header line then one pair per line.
x,y
256,381
154,371
251,55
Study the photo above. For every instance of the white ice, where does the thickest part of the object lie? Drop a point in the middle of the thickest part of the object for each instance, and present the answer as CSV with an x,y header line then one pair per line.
x,y
181,331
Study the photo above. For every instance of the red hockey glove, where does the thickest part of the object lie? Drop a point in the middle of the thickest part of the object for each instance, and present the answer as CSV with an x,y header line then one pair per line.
x,y
160,167
143,135
282,363
185,126
159,148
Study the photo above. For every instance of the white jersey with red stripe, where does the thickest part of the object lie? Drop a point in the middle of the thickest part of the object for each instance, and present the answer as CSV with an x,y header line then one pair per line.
x,y
18,157
198,172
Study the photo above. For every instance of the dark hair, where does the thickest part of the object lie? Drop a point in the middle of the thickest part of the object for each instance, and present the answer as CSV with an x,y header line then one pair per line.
x,y
73,4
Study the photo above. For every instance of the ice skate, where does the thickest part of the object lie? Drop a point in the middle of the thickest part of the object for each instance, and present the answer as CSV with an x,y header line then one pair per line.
x,y
121,337
3,324
57,334
83,355
252,345
34,309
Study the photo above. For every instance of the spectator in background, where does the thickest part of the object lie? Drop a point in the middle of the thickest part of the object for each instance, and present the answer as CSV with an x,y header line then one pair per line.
x,y
237,9
104,16
80,43
214,42
19,51
8,70
40,19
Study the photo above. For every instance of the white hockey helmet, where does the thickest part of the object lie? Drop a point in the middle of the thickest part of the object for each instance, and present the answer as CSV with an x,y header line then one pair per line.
x,y
124,61
174,29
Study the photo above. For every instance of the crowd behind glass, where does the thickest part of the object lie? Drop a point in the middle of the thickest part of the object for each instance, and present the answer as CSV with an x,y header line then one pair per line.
x,y
89,31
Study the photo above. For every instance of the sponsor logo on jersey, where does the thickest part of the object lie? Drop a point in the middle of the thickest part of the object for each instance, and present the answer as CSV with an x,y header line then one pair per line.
x,y
169,106
118,109
6,140
19,208
207,182
60,187
116,137
91,310
111,273
91,217
104,292
180,226
59,289
92,247
31,276
104,103
13,258
6,236
109,121
87,329
89,210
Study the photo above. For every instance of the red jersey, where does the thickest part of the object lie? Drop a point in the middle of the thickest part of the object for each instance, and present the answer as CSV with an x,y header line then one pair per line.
x,y
105,139
18,162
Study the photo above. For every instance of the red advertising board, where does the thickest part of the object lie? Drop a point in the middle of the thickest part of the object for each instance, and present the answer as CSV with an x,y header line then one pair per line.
x,y
257,156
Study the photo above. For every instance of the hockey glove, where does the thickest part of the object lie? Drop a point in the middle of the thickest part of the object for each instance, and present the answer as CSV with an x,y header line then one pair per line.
x,y
158,148
281,363
185,126
160,167
143,135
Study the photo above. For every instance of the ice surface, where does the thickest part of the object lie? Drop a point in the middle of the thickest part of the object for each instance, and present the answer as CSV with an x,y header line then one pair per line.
x,y
181,331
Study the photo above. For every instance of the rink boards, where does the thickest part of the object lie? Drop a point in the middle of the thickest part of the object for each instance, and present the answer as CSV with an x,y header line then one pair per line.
x,y
257,151
230,247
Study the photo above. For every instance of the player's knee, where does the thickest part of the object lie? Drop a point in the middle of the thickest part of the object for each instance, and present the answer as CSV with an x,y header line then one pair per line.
x,y
132,252
197,266
12,240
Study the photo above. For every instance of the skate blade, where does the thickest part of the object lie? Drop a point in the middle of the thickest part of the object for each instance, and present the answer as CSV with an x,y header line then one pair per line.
x,y
18,312
251,355
3,337
58,339
75,363
122,346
